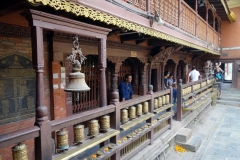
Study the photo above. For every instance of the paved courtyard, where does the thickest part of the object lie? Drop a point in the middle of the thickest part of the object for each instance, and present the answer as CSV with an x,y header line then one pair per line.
x,y
221,130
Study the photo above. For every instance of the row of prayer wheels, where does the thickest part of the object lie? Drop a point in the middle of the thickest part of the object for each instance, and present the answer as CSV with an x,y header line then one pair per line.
x,y
133,112
204,84
19,152
79,136
187,90
196,87
160,101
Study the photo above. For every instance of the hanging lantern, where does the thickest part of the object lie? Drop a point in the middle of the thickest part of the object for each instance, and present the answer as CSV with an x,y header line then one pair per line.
x,y
76,78
20,152
62,140
78,133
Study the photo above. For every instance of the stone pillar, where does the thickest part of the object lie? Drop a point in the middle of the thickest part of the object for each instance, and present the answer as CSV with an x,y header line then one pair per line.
x,y
143,83
102,69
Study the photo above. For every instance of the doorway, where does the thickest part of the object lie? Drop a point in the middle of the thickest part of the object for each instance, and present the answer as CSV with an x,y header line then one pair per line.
x,y
154,79
227,72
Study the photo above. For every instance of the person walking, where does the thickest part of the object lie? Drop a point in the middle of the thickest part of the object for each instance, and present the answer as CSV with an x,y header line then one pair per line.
x,y
193,75
218,73
125,88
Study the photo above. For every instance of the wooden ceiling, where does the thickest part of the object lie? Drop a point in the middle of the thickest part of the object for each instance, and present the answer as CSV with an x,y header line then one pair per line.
x,y
233,3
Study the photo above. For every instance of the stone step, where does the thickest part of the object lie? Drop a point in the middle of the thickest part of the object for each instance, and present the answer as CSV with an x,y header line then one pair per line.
x,y
226,102
184,135
230,98
193,143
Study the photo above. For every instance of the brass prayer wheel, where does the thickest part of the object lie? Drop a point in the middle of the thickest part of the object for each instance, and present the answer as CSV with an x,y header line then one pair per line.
x,y
145,107
155,103
20,152
93,129
124,115
78,133
160,101
139,109
163,100
132,112
167,99
62,140
105,123
0,156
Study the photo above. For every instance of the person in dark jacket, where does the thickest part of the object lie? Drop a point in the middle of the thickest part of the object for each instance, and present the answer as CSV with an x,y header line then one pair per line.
x,y
125,88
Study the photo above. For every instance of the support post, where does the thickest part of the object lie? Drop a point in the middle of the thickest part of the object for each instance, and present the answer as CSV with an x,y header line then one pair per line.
x,y
114,83
151,105
179,100
43,143
102,68
143,84
170,101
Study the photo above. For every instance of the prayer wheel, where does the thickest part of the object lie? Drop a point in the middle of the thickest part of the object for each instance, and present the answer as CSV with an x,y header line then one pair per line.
x,y
0,156
93,129
155,103
105,123
163,100
62,140
124,115
167,99
145,107
139,110
78,133
160,101
132,112
20,152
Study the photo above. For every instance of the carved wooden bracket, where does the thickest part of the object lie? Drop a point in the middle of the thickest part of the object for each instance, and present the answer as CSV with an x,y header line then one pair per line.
x,y
115,59
143,59
164,55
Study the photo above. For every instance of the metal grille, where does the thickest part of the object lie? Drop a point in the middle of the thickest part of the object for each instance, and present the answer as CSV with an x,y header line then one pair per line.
x,y
124,69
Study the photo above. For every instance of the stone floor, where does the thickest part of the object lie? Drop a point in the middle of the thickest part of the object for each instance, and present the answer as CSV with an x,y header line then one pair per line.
x,y
221,127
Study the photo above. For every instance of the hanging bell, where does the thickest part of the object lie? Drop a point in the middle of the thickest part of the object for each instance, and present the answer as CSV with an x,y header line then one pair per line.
x,y
20,152
77,82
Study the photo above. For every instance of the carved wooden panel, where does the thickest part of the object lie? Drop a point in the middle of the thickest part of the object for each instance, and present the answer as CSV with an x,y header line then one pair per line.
x,y
201,29
188,19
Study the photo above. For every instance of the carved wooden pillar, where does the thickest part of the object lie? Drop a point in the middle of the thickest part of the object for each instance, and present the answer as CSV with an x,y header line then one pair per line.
x,y
162,73
135,79
150,73
143,83
159,77
185,70
43,146
175,72
102,69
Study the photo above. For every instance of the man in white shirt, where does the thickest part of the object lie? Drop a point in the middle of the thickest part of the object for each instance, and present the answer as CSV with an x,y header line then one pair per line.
x,y
194,74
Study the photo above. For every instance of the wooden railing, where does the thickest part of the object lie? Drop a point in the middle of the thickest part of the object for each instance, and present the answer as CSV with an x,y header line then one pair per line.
x,y
152,117
181,16
193,95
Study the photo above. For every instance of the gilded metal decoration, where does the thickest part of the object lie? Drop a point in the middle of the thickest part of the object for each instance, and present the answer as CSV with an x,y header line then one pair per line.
x,y
93,128
139,109
105,123
20,152
78,133
132,112
145,107
124,115
80,10
62,140
76,78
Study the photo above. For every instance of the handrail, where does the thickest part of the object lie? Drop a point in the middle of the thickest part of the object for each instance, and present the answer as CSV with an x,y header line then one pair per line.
x,y
18,136
134,101
160,93
81,117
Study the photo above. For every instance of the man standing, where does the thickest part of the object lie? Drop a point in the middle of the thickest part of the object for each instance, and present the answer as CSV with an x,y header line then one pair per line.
x,y
218,72
194,74
125,88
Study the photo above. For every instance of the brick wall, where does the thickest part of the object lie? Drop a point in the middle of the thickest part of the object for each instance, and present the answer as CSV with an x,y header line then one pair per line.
x,y
10,45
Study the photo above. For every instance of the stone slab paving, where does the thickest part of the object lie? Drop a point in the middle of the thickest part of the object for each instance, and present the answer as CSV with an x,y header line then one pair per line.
x,y
221,127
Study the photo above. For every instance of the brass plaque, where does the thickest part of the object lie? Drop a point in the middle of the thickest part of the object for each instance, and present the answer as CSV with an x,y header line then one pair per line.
x,y
17,88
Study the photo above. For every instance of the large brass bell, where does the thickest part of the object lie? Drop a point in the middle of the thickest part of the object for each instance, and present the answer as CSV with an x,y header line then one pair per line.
x,y
76,78
20,152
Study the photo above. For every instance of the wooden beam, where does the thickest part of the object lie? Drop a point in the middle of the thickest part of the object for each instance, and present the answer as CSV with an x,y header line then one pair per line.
x,y
159,42
134,36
